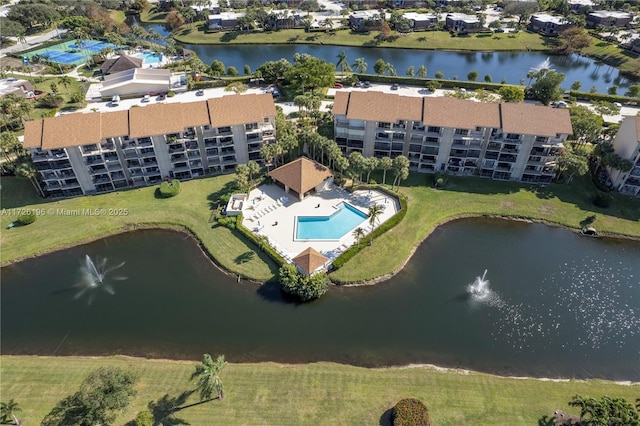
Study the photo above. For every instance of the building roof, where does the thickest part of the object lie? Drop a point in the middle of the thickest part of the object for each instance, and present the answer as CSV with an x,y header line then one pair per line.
x,y
545,17
160,119
226,16
19,87
581,2
301,175
70,130
145,76
413,16
121,63
459,113
365,14
32,134
529,119
469,19
114,124
378,106
310,260
239,109
611,14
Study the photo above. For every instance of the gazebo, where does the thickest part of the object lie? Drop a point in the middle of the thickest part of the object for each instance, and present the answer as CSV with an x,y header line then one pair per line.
x,y
121,63
309,261
302,176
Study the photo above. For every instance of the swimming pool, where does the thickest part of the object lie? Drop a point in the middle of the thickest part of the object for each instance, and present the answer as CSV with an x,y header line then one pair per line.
x,y
149,57
331,227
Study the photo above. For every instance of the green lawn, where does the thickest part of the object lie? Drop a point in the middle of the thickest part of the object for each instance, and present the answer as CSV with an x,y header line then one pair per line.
x,y
428,207
419,40
623,59
311,394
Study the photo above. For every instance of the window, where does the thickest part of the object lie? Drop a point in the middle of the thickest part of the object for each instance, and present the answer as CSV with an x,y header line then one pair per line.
x,y
384,125
541,139
433,129
463,132
265,120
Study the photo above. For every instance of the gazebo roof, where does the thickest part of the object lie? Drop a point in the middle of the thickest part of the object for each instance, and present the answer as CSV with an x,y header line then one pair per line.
x,y
309,260
121,63
301,175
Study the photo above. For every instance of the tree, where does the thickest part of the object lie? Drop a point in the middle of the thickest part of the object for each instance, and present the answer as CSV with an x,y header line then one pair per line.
x,y
360,65
242,177
411,71
375,211
422,71
606,411
358,233
439,75
303,287
174,20
232,71
370,164
379,66
586,124
10,145
271,71
343,64
385,31
236,87
633,91
27,170
472,76
247,70
253,168
574,39
488,78
311,72
613,90
573,161
576,85
356,165
103,394
511,94
309,5
385,164
32,14
9,28
401,169
217,68
8,412
547,86
208,375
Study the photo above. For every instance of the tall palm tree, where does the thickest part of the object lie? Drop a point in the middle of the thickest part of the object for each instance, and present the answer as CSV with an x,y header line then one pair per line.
x,y
27,170
208,374
358,233
8,410
360,65
343,64
374,215
65,80
422,71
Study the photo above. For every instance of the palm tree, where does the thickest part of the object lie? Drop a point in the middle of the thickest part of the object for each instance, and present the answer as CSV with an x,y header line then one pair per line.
x,y
65,80
422,71
208,374
267,153
374,215
343,64
358,233
385,164
254,169
8,410
27,170
360,65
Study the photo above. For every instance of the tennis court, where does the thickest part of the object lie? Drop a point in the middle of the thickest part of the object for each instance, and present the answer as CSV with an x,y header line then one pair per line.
x,y
71,52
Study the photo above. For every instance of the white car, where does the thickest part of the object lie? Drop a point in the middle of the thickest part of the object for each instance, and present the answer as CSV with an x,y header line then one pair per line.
x,y
146,98
618,104
115,101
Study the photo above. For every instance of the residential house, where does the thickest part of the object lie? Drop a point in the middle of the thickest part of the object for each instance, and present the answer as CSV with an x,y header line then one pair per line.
x,y
365,20
627,145
609,19
281,19
462,23
136,81
19,87
119,64
223,21
582,6
79,154
548,24
421,21
508,141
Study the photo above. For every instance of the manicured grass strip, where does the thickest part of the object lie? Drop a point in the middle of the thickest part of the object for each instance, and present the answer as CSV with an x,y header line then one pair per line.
x,y
625,60
311,394
419,40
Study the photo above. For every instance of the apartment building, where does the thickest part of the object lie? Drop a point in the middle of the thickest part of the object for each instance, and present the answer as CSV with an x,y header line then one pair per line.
x,y
544,23
627,145
507,141
79,154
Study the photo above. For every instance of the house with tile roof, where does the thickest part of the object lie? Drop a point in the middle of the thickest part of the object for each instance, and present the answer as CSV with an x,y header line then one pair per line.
x,y
506,141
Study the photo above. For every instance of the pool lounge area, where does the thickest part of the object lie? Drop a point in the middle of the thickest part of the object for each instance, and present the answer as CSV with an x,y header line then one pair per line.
x,y
344,219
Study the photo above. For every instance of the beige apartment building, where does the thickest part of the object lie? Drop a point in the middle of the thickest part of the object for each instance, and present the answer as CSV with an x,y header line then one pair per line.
x,y
79,154
627,145
506,141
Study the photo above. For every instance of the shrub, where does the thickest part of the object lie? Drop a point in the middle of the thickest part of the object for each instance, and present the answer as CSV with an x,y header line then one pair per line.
x,y
411,412
26,218
252,237
440,180
602,200
50,101
144,418
171,94
169,189
302,286
229,221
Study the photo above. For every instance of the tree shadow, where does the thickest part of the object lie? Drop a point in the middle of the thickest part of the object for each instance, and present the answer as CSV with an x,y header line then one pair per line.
x,y
163,409
386,419
244,257
229,36
546,421
588,220
312,38
215,197
293,39
271,291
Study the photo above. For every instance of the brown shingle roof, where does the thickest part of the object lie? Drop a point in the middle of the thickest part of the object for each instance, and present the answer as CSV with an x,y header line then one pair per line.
x,y
239,109
309,260
637,121
529,119
121,63
340,103
32,134
379,106
114,124
71,130
459,113
301,175
160,119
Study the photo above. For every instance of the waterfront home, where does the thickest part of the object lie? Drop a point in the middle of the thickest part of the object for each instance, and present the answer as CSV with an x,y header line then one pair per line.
x,y
223,21
582,6
627,145
280,19
18,87
609,19
136,81
79,154
421,21
544,23
462,23
365,20
507,141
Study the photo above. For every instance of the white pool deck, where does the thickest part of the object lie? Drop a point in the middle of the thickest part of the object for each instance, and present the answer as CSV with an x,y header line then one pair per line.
x,y
272,212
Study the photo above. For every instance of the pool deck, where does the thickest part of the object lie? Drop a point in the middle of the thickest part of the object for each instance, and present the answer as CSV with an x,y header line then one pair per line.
x,y
277,211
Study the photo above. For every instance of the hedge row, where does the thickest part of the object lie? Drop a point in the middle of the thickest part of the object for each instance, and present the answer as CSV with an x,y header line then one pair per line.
x,y
219,83
604,97
389,224
274,255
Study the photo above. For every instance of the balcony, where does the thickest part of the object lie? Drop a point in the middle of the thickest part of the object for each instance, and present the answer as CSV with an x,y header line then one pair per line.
x,y
117,176
128,146
136,172
494,146
90,149
225,142
632,181
101,179
107,147
382,146
114,166
222,131
192,145
147,154
212,153
94,159
509,158
503,167
178,157
635,171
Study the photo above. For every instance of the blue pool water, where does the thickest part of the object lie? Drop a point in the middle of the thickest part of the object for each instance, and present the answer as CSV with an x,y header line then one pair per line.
x,y
331,227
149,58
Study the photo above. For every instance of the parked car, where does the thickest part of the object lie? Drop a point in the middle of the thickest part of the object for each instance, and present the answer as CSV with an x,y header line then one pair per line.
x,y
115,101
618,104
560,104
359,84
199,92
338,86
367,84
146,98
395,86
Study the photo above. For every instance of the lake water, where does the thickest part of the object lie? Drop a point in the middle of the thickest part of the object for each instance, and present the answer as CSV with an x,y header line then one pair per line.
x,y
561,306
511,66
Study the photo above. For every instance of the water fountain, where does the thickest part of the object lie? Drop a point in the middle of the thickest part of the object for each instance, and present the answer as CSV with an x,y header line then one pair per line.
x,y
479,289
94,275
544,65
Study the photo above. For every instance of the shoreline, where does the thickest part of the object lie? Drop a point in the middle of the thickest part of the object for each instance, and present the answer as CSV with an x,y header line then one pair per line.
x,y
412,366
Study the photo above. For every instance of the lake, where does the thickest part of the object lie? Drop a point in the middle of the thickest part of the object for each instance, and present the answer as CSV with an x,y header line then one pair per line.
x,y
559,305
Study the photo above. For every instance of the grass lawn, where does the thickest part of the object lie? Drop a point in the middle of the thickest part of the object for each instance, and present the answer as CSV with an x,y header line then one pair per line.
x,y
418,40
314,394
428,207
625,60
